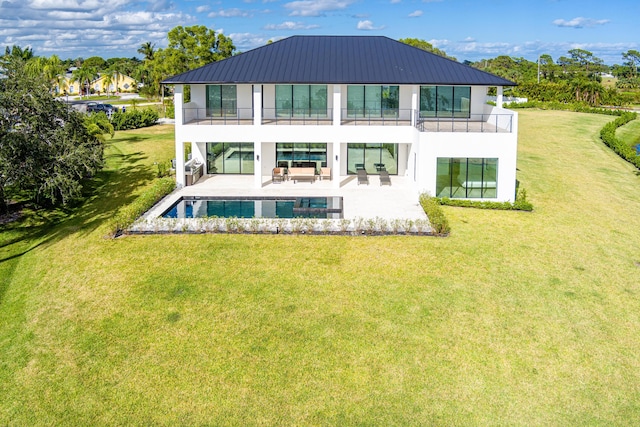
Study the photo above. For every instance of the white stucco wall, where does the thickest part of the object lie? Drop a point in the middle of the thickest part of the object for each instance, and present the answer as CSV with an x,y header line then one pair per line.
x,y
417,151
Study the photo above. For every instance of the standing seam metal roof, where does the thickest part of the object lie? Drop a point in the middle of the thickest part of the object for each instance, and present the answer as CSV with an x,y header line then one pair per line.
x,y
338,60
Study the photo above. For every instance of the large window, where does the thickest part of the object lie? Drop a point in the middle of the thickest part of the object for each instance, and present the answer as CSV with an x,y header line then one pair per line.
x,y
373,101
373,157
445,101
230,157
296,154
221,100
467,178
301,100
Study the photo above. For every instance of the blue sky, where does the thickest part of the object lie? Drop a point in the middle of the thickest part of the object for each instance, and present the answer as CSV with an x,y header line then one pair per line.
x,y
467,29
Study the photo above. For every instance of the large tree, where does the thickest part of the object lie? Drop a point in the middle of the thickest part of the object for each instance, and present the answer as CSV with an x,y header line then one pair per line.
x,y
425,45
189,48
46,149
200,45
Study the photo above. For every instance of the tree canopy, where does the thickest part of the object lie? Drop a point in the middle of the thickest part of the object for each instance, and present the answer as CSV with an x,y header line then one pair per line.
x,y
425,45
46,149
189,48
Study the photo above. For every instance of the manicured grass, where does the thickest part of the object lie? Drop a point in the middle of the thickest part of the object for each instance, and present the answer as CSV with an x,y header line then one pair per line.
x,y
516,318
630,133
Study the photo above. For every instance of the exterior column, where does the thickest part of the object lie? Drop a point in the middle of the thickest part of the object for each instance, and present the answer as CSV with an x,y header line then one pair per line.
x,y
257,105
257,165
257,145
178,105
336,173
337,104
414,104
180,180
499,97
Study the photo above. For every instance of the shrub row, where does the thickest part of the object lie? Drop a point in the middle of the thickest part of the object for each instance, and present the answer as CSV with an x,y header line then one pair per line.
x,y
578,107
134,119
521,203
129,213
608,136
438,220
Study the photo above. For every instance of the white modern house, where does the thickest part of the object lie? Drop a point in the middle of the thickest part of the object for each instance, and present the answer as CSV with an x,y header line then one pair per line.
x,y
346,103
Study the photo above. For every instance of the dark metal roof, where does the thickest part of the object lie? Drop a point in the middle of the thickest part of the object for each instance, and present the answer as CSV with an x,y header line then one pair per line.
x,y
338,60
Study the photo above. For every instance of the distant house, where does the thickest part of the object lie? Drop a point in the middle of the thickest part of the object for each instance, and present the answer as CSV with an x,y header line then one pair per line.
x,y
346,103
72,87
124,84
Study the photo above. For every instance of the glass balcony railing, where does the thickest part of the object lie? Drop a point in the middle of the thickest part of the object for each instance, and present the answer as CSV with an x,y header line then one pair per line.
x,y
352,117
297,116
226,116
474,123
376,116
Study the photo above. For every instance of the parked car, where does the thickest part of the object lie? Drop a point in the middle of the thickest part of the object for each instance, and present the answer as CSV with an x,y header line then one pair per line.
x,y
107,108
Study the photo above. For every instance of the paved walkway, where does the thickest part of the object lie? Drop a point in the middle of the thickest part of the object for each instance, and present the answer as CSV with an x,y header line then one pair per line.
x,y
397,201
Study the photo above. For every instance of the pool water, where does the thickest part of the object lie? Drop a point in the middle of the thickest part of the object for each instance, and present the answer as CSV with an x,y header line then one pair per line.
x,y
258,207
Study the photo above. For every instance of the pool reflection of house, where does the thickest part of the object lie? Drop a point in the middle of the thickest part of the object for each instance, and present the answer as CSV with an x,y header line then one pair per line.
x,y
350,102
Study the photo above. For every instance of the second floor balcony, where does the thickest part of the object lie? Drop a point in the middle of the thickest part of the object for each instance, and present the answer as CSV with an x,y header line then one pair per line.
x,y
483,123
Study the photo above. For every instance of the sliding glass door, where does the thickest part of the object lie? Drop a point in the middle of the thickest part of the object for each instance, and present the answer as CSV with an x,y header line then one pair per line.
x,y
230,158
372,157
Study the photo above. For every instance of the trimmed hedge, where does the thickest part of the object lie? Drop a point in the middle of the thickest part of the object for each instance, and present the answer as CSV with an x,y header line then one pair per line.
x,y
608,136
438,220
521,203
577,107
129,213
134,119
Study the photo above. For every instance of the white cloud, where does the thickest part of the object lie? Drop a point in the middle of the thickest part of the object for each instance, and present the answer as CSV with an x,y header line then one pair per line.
x,y
368,26
231,13
202,9
316,7
73,28
415,14
248,41
290,25
580,22
159,5
472,50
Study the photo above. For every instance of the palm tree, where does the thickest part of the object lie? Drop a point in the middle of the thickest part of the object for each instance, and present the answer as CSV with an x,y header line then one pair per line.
x,y
84,76
48,70
147,49
115,71
19,53
107,81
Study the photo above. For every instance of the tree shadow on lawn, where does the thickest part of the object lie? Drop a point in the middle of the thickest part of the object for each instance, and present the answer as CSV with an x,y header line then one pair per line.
x,y
103,194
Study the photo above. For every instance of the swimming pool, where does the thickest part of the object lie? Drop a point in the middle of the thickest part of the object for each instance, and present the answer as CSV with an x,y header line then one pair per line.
x,y
256,207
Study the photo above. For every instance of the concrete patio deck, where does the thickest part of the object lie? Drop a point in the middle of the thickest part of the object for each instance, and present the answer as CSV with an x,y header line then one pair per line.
x,y
397,201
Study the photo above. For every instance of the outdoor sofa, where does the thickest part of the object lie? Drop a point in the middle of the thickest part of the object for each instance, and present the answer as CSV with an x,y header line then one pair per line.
x,y
298,174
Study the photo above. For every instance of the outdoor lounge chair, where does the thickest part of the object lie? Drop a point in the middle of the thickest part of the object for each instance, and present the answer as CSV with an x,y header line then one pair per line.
x,y
277,175
384,177
325,173
362,177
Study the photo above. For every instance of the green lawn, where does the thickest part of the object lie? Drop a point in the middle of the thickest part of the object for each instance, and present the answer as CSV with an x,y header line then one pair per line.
x,y
630,133
515,319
